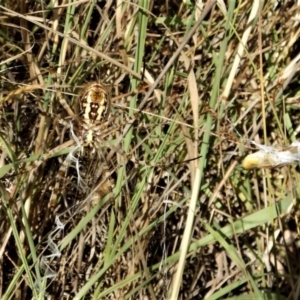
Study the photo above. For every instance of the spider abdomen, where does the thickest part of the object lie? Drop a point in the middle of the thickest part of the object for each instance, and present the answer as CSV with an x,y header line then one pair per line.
x,y
95,106
95,102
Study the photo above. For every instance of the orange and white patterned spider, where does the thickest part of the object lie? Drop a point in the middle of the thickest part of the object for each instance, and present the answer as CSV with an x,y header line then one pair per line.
x,y
91,126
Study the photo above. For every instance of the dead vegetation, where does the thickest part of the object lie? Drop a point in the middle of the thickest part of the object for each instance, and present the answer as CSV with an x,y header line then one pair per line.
x,y
166,175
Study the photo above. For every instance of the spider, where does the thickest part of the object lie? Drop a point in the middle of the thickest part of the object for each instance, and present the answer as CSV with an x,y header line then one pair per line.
x,y
91,125
94,107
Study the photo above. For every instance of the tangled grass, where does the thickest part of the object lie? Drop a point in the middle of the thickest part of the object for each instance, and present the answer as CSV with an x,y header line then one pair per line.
x,y
183,219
